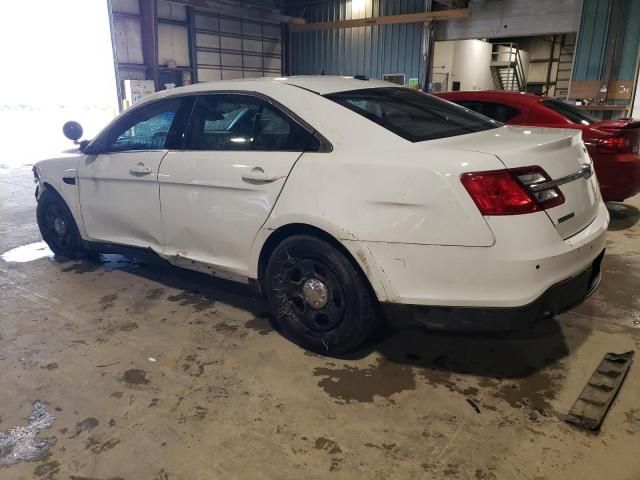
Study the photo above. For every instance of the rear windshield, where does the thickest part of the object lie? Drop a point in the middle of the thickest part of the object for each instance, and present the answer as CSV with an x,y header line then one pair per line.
x,y
413,115
570,111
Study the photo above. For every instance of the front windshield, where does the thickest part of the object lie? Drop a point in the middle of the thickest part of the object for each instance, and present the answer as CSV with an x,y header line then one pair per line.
x,y
570,111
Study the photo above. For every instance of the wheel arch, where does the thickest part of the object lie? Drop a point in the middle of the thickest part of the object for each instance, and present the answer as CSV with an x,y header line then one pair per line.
x,y
71,201
50,188
353,250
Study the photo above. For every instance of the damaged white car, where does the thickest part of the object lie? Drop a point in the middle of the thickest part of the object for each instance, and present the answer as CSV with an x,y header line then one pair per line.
x,y
337,196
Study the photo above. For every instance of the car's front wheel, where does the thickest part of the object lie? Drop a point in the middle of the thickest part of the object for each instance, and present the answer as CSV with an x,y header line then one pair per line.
x,y
57,226
319,298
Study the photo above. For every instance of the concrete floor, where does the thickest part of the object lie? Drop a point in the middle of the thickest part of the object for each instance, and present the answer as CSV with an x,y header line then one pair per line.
x,y
157,373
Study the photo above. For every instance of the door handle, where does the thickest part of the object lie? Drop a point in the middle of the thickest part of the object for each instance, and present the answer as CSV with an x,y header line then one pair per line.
x,y
140,170
258,175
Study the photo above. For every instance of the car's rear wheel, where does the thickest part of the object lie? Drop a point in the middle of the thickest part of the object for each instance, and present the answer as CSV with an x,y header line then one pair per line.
x,y
318,296
57,226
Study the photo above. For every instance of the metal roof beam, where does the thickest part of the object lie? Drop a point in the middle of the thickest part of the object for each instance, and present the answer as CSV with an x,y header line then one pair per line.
x,y
237,9
384,20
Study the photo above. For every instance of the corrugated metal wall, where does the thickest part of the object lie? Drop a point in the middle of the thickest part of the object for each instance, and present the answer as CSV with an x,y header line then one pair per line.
x,y
599,17
630,40
371,51
592,40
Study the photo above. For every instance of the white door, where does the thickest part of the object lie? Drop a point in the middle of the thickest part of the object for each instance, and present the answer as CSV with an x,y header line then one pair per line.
x,y
219,190
119,192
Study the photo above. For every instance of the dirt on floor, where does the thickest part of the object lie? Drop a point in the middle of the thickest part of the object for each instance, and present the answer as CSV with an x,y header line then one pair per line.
x,y
122,368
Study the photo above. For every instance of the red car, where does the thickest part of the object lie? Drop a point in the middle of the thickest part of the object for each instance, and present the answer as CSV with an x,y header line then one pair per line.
x,y
613,144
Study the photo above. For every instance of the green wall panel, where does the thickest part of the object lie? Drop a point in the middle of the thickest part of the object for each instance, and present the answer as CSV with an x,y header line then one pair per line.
x,y
598,18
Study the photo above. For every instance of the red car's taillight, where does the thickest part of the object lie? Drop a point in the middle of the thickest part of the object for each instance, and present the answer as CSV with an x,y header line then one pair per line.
x,y
614,144
511,192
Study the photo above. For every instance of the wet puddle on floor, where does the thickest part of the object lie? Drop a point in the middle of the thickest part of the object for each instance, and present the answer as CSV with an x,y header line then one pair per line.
x,y
27,253
617,298
19,444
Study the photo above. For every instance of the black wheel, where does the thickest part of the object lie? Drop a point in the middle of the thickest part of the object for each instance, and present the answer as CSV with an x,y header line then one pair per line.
x,y
57,226
319,298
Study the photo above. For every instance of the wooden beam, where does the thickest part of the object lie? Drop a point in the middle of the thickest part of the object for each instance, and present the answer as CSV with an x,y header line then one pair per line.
x,y
384,20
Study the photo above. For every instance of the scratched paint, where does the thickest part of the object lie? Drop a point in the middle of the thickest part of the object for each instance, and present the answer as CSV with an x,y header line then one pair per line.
x,y
27,253
19,444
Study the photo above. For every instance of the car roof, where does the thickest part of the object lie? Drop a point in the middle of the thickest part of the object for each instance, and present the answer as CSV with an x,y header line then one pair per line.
x,y
320,84
323,84
522,97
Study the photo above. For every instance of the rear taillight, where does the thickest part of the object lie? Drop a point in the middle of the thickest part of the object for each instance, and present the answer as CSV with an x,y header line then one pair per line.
x,y
614,144
533,178
511,192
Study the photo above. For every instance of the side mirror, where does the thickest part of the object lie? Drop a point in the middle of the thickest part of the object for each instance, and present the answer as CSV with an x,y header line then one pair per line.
x,y
72,130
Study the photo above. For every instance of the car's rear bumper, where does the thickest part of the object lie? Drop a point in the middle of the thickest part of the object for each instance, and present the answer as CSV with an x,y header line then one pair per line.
x,y
557,299
528,258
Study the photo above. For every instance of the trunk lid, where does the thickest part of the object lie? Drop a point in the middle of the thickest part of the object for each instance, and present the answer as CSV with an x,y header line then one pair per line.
x,y
615,125
560,152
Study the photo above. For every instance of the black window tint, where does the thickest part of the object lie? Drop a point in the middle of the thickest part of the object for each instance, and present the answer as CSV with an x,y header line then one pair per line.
x,y
272,131
145,128
242,122
413,115
497,111
570,111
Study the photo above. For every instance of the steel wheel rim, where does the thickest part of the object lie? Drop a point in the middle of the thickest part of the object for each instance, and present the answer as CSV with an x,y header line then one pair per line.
x,y
305,281
58,227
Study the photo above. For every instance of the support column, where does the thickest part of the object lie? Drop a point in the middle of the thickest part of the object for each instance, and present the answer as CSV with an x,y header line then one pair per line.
x,y
193,51
287,48
149,34
426,51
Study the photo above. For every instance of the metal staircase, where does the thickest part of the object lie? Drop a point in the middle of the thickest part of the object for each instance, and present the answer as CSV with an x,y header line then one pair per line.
x,y
565,62
506,67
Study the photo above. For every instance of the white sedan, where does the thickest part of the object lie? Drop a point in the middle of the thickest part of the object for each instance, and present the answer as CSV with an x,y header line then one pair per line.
x,y
337,196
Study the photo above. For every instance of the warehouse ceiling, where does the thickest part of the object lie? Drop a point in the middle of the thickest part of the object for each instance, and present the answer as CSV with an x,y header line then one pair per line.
x,y
271,5
269,10
437,4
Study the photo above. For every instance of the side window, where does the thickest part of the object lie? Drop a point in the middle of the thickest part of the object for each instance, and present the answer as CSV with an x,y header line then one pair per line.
x,y
242,122
146,128
471,105
497,111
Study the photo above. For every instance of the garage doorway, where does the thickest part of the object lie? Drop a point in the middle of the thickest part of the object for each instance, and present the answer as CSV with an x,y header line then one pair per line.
x,y
58,66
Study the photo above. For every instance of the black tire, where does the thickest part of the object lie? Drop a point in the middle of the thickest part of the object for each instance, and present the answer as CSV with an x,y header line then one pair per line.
x,y
331,318
57,226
